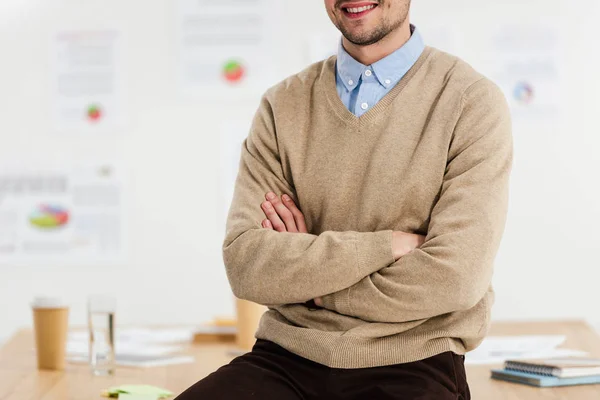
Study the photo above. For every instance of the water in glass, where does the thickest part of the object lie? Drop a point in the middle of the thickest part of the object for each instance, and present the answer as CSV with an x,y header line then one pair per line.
x,y
101,324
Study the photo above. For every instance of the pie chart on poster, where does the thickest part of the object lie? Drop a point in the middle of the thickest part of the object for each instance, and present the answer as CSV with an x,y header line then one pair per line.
x,y
524,93
48,216
94,113
234,71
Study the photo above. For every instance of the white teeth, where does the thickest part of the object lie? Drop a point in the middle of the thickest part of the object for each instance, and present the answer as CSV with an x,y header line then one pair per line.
x,y
357,10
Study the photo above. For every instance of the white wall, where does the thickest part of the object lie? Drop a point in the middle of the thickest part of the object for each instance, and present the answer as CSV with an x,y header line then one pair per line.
x,y
546,267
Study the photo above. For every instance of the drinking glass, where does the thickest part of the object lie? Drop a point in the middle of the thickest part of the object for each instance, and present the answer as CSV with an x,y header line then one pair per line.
x,y
101,327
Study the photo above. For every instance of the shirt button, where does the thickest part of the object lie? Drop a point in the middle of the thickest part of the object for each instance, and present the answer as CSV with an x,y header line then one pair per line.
x,y
350,82
368,72
364,106
387,81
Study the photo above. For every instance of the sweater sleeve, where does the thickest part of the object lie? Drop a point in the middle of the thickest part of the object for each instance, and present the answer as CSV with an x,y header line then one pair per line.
x,y
452,270
275,268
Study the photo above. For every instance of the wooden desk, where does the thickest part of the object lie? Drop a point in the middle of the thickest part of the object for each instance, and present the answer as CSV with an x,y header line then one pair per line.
x,y
20,380
580,336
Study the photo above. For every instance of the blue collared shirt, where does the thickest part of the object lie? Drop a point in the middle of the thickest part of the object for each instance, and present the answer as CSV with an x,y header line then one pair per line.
x,y
360,86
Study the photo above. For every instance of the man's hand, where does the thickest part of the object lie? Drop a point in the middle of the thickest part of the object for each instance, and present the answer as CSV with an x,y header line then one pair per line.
x,y
403,243
282,214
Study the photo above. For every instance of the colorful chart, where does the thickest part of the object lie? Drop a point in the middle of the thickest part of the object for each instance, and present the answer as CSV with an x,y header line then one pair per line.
x,y
49,217
94,113
523,93
233,71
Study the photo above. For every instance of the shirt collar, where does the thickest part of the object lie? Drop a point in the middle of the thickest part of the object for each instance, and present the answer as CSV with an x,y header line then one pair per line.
x,y
389,70
349,70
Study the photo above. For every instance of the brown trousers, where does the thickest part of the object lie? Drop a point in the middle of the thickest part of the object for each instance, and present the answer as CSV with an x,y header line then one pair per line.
x,y
271,372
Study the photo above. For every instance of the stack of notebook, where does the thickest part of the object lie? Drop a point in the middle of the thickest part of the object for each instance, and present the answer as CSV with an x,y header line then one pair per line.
x,y
551,372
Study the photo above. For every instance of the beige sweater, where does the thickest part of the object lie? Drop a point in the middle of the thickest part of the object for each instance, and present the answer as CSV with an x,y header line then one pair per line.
x,y
433,157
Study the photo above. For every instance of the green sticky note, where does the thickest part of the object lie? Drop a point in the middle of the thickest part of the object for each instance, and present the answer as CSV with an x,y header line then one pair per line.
x,y
142,390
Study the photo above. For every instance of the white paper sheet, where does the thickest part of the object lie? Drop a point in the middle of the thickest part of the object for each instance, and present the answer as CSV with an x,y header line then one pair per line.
x,y
227,45
142,346
143,336
137,347
81,348
61,214
496,350
146,347
138,360
88,82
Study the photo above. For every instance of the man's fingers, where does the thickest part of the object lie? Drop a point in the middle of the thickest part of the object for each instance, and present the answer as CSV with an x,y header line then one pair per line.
x,y
273,217
298,216
284,213
267,224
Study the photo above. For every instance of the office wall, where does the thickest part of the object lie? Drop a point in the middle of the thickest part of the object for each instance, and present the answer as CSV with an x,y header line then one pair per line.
x,y
547,267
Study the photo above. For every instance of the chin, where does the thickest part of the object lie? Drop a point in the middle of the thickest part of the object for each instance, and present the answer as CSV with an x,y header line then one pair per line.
x,y
359,38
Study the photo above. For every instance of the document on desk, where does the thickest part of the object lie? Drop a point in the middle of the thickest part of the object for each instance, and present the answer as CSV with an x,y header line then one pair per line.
x,y
497,349
81,349
138,347
143,336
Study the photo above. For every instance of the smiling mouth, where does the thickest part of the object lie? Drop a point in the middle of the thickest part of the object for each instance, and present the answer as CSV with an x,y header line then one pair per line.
x,y
358,10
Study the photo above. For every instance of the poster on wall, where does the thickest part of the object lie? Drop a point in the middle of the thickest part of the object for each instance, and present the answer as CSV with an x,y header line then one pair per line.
x,y
61,215
526,61
88,81
226,46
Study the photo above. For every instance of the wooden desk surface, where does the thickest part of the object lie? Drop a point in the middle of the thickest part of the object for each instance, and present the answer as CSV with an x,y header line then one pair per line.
x,y
20,380
580,336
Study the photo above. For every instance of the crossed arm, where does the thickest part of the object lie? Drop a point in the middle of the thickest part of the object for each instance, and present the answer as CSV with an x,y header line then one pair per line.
x,y
275,268
283,215
365,274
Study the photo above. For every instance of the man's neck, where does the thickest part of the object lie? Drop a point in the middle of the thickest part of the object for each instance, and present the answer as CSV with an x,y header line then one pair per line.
x,y
370,54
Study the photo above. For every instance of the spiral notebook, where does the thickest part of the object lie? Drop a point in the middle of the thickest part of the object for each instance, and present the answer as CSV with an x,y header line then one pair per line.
x,y
570,367
542,380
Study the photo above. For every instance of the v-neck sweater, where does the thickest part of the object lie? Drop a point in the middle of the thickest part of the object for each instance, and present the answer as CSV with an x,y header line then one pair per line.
x,y
432,157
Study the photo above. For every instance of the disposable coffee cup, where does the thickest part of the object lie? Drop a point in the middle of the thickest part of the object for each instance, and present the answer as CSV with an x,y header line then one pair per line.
x,y
248,318
51,323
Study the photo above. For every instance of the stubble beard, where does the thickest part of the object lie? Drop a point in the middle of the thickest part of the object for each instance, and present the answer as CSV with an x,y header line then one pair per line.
x,y
377,34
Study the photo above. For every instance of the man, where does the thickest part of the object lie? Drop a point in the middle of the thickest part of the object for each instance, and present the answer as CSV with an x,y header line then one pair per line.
x,y
368,210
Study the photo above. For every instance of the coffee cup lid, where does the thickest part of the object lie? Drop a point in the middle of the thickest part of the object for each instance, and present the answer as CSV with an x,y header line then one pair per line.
x,y
48,302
